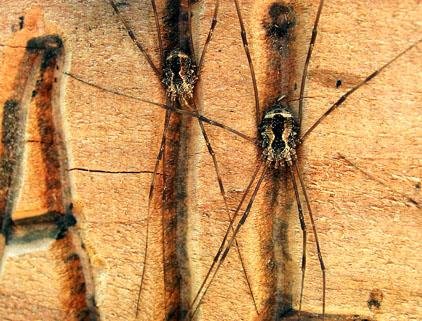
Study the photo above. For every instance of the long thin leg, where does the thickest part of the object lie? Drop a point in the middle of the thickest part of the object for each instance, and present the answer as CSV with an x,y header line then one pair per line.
x,y
304,97
223,242
304,232
223,256
226,206
314,230
167,107
210,33
150,196
379,181
248,56
157,26
135,40
308,59
343,98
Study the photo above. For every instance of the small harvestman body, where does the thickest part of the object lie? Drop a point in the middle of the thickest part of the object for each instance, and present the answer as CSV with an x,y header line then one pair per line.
x,y
180,73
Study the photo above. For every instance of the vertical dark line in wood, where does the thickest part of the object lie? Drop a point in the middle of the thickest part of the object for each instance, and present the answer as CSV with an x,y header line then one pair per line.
x,y
44,114
172,277
75,298
279,24
79,297
281,59
13,126
9,160
176,35
176,31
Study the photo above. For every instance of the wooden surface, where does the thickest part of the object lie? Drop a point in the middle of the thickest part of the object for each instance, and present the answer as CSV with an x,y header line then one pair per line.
x,y
368,229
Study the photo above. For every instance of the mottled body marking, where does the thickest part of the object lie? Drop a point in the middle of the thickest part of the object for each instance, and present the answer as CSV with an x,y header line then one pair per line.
x,y
179,76
279,133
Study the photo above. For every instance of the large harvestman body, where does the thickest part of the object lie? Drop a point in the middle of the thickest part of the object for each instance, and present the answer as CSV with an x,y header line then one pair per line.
x,y
278,136
226,95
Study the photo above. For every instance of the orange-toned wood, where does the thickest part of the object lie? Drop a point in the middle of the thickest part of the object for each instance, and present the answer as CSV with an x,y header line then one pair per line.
x,y
368,227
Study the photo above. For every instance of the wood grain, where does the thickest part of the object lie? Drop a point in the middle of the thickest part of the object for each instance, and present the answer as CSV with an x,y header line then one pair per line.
x,y
361,165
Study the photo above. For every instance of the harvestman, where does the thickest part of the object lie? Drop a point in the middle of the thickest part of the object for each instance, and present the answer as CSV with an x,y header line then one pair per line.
x,y
279,133
280,136
179,75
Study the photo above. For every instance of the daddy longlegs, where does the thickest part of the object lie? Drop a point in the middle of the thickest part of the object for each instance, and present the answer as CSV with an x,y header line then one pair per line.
x,y
179,74
281,150
181,111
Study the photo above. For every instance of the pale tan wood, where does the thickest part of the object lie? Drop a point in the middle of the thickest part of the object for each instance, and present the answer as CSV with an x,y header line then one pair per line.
x,y
369,233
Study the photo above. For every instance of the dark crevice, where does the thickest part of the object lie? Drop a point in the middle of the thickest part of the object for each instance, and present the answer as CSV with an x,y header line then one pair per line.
x,y
280,23
176,28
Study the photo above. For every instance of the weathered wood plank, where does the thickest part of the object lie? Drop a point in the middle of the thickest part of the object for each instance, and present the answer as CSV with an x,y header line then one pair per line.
x,y
368,227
